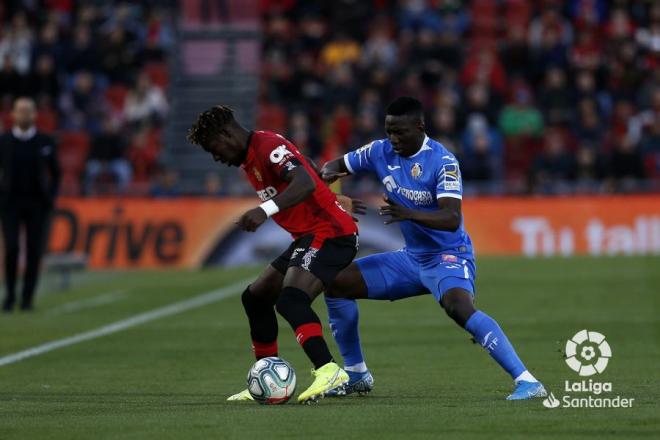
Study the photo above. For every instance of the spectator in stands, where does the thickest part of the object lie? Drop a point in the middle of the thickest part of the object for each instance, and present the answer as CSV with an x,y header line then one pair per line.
x,y
556,98
626,167
520,117
443,127
50,43
301,134
166,185
16,44
45,80
143,152
515,53
213,185
550,21
84,53
11,82
379,49
340,50
145,102
554,167
107,156
417,14
588,127
81,105
484,67
479,100
590,168
482,152
117,56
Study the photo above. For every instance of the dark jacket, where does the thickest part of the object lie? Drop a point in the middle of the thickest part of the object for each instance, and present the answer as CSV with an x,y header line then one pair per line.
x,y
44,167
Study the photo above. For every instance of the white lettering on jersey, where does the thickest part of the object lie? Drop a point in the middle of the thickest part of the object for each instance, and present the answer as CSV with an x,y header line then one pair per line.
x,y
418,197
279,154
389,183
267,193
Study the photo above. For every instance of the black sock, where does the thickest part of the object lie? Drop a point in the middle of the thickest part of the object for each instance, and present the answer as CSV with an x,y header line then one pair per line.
x,y
263,324
296,307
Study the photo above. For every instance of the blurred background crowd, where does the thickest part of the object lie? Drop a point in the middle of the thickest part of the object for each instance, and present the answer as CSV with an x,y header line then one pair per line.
x,y
533,96
540,96
98,73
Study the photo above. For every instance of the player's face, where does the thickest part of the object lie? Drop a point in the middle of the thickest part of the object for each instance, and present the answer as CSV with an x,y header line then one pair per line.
x,y
24,113
405,133
227,150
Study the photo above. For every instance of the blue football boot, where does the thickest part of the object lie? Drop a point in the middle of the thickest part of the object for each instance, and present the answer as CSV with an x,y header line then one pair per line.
x,y
527,390
360,383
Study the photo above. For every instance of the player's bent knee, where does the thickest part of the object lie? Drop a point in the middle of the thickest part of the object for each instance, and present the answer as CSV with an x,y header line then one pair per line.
x,y
458,305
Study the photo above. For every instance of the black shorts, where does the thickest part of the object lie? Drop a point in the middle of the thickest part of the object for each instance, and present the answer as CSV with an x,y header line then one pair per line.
x,y
323,258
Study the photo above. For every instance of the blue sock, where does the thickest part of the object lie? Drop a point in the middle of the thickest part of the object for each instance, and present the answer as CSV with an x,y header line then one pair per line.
x,y
491,337
343,315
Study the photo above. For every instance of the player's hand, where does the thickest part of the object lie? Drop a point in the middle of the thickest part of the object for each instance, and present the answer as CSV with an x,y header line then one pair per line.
x,y
252,219
396,212
330,176
352,206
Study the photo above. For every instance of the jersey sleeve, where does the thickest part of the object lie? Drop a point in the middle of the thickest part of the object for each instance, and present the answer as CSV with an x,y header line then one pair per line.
x,y
448,180
362,159
281,157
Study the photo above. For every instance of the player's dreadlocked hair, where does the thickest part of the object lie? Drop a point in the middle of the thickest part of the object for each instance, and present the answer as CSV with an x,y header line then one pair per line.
x,y
210,124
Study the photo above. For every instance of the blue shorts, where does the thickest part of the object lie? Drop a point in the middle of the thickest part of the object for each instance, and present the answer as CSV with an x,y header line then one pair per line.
x,y
399,274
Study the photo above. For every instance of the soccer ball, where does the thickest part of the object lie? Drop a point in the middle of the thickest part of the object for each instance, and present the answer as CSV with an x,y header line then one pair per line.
x,y
271,381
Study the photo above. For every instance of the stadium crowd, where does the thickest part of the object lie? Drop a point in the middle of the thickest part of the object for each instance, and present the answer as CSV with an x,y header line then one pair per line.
x,y
98,73
539,96
535,96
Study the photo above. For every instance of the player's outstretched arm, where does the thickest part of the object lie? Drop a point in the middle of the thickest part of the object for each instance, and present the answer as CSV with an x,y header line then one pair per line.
x,y
301,185
334,170
446,218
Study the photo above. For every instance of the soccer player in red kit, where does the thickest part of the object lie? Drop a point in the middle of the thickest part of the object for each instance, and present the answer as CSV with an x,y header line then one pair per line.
x,y
324,240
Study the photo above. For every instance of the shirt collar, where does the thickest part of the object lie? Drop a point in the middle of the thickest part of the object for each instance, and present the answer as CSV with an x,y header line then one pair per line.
x,y
24,135
422,148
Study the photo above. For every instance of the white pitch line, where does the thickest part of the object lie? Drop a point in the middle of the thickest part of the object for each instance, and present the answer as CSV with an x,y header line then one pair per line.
x,y
88,303
173,309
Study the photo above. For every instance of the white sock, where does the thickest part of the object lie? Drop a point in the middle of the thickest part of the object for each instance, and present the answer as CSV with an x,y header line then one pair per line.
x,y
357,368
526,376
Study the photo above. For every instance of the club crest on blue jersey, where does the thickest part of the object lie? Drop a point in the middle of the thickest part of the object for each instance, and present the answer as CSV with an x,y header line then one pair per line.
x,y
416,170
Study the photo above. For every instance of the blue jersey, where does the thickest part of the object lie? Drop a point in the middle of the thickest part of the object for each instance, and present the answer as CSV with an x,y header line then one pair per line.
x,y
416,182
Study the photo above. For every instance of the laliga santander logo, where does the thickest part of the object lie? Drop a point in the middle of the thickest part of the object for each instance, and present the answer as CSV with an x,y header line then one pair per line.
x,y
588,353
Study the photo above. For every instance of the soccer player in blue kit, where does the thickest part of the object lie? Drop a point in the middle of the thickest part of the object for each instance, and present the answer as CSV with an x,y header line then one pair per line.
x,y
424,191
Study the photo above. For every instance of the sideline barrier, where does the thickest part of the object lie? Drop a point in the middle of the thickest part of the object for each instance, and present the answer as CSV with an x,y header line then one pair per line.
x,y
147,233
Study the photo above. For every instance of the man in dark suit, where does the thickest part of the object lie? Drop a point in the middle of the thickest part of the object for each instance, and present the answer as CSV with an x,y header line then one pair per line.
x,y
29,181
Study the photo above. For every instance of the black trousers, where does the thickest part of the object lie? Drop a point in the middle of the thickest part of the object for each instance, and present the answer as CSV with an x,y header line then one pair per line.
x,y
34,217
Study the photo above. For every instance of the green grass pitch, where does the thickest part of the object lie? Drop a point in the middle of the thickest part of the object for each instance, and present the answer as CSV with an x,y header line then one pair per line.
x,y
168,378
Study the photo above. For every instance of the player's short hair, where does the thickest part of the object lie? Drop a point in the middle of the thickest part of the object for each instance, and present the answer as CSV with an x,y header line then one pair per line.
x,y
210,124
405,106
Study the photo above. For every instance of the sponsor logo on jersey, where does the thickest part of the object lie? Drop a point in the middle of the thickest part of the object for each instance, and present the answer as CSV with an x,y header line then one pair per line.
x,y
416,170
280,154
418,197
267,193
